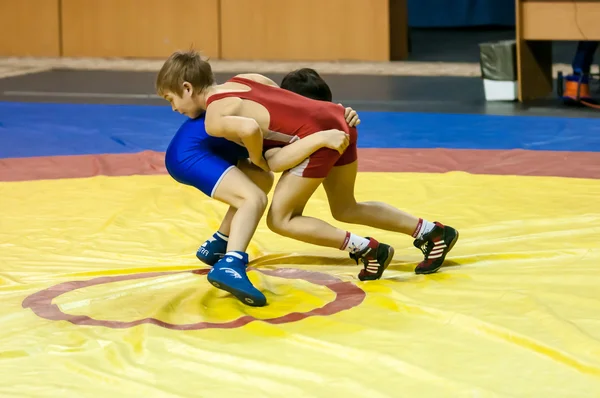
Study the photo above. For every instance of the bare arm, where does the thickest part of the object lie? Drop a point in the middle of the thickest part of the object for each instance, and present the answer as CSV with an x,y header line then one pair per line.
x,y
281,159
222,122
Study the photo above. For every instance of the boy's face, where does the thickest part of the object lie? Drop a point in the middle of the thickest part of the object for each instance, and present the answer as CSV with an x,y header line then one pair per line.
x,y
185,104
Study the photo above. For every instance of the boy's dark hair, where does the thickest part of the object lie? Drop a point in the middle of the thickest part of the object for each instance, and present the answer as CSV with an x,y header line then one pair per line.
x,y
308,83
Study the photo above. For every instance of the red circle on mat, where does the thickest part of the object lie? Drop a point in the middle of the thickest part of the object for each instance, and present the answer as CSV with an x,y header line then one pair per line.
x,y
347,295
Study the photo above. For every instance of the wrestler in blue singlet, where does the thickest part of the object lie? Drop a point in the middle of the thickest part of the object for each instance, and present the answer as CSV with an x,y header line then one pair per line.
x,y
200,160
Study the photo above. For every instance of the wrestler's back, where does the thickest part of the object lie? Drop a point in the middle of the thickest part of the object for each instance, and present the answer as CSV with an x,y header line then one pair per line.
x,y
280,110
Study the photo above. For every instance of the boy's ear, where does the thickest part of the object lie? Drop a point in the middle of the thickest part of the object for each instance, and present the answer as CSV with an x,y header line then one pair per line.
x,y
187,87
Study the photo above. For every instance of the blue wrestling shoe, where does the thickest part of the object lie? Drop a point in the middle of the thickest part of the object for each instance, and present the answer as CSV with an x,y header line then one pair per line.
x,y
213,249
229,274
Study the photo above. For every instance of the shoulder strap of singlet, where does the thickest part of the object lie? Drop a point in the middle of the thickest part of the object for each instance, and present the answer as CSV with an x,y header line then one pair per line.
x,y
243,80
241,94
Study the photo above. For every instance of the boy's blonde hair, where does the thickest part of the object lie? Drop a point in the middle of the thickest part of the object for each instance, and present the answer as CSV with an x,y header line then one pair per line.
x,y
184,66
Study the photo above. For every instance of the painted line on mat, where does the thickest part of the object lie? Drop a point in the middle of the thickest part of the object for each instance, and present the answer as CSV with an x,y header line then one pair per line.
x,y
347,296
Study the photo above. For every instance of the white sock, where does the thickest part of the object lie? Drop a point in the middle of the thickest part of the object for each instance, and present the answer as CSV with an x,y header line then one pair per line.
x,y
423,227
354,243
223,237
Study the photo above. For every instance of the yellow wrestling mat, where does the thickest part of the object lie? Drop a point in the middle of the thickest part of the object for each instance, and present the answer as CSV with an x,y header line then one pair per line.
x,y
99,298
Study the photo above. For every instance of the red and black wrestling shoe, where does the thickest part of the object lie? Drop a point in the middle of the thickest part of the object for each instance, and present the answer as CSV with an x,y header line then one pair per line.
x,y
375,258
435,245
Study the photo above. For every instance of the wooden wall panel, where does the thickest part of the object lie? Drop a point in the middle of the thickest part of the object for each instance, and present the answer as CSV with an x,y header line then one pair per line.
x,y
139,28
307,30
29,28
577,20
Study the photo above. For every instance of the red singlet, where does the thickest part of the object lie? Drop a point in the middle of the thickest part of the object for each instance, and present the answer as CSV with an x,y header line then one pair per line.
x,y
293,115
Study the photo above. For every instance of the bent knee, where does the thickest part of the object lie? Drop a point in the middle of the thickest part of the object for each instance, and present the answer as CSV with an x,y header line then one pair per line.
x,y
277,222
257,197
273,222
345,213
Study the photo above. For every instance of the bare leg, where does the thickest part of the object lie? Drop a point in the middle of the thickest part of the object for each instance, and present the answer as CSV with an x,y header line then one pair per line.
x,y
237,190
229,272
225,227
285,218
285,214
261,178
339,186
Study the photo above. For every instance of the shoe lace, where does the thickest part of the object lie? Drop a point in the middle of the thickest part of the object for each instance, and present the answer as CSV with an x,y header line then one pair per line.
x,y
425,244
426,247
357,257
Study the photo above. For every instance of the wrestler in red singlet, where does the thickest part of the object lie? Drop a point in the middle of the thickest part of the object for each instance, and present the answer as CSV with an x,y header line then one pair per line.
x,y
293,116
